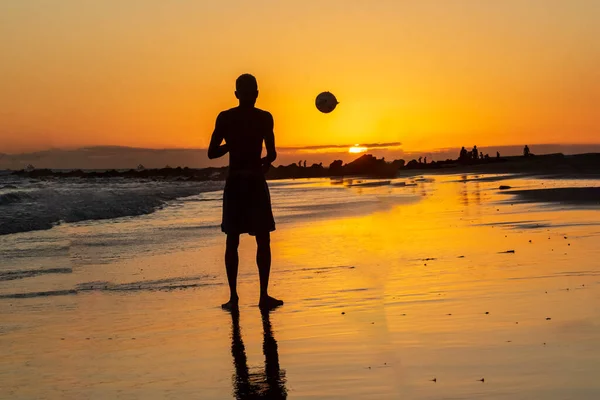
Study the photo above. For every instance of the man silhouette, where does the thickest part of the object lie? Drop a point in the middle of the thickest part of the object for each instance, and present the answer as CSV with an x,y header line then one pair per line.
x,y
246,199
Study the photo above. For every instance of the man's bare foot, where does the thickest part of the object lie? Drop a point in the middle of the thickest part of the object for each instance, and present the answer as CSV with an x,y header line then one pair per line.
x,y
269,303
231,305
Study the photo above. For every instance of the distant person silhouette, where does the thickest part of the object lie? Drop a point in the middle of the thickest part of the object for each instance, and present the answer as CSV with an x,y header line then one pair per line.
x,y
526,151
475,153
463,154
246,199
497,154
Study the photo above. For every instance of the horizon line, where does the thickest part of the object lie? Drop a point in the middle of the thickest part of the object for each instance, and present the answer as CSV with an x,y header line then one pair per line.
x,y
374,146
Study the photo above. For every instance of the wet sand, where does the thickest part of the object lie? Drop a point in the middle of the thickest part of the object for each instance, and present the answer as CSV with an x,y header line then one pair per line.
x,y
582,195
458,293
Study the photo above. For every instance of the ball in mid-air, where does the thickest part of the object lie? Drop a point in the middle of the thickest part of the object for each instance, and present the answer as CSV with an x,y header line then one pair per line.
x,y
326,102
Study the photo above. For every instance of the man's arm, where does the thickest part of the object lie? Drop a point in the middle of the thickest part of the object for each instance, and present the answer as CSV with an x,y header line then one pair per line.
x,y
270,143
216,149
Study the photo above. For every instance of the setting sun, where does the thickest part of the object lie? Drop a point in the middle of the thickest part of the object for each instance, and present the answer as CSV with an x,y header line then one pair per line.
x,y
357,149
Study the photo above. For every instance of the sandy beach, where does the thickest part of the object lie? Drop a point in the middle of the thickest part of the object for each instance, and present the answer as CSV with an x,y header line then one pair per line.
x,y
431,287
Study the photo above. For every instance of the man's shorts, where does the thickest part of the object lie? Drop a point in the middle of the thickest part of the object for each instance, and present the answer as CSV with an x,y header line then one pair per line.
x,y
247,204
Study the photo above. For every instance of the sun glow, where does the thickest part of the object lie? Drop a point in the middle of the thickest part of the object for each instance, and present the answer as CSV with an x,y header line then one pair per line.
x,y
357,149
71,91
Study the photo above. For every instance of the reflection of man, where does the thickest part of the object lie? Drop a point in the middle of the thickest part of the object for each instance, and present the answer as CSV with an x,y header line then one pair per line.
x,y
246,199
267,384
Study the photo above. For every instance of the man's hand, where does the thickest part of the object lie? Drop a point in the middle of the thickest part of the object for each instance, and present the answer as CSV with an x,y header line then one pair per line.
x,y
266,165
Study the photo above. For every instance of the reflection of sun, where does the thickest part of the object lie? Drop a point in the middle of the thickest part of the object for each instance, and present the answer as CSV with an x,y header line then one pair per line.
x,y
357,149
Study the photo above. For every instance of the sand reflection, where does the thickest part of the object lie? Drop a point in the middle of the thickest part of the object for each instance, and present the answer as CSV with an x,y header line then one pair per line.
x,y
256,383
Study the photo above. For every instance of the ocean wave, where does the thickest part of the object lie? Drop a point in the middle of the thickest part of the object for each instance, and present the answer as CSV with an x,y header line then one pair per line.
x,y
58,202
28,295
30,273
168,284
195,200
150,285
14,197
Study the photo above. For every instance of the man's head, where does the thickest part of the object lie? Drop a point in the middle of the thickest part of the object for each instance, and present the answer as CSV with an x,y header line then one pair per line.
x,y
246,89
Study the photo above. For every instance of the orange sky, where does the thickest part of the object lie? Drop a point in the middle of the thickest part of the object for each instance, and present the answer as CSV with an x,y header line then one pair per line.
x,y
429,74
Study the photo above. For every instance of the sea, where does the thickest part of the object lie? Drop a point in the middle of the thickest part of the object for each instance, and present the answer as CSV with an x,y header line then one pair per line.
x,y
51,226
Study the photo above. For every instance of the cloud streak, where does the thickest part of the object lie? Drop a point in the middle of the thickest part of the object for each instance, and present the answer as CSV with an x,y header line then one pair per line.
x,y
338,147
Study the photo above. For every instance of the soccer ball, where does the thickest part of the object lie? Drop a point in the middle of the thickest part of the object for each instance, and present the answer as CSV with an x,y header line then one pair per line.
x,y
326,102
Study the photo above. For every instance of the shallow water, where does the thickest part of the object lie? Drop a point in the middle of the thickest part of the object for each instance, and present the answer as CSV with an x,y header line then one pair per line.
x,y
386,288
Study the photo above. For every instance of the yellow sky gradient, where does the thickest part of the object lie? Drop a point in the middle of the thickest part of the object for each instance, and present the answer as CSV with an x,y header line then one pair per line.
x,y
429,74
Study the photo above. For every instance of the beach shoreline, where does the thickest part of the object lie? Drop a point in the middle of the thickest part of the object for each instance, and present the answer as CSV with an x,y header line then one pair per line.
x,y
428,290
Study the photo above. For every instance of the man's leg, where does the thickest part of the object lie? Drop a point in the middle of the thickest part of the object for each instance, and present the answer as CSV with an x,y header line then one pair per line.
x,y
231,264
263,261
